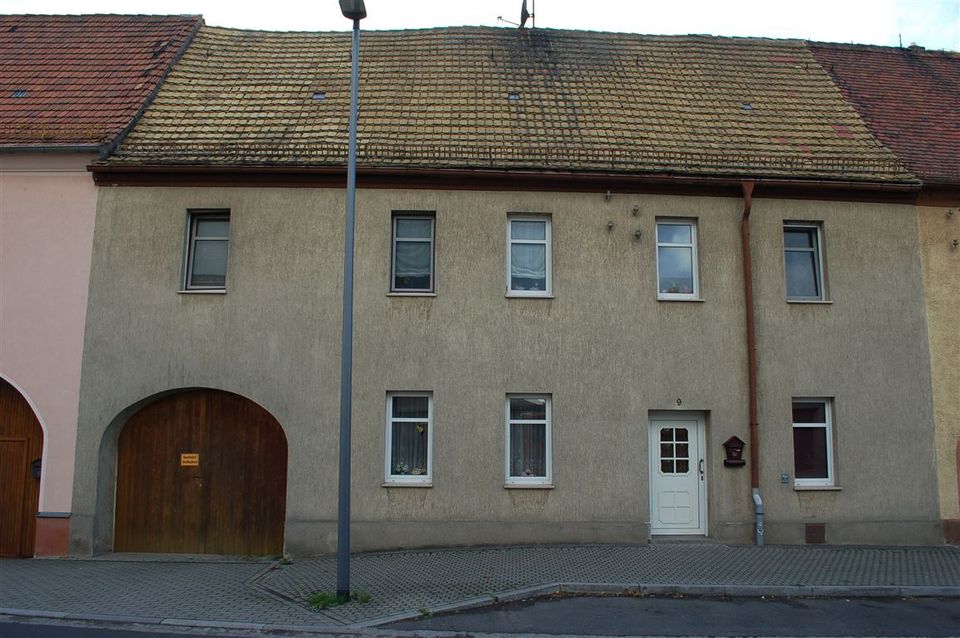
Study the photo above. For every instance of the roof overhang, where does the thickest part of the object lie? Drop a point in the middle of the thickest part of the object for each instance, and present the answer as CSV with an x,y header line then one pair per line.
x,y
500,180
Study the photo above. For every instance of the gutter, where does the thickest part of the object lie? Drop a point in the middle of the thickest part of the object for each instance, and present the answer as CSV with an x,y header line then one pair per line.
x,y
490,179
753,439
52,148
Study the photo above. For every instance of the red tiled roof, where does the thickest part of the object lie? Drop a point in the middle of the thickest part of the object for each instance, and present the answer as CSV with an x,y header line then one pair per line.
x,y
909,99
81,80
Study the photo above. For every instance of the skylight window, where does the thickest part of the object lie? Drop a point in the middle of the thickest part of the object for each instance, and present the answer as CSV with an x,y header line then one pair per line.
x,y
746,106
513,96
19,93
319,96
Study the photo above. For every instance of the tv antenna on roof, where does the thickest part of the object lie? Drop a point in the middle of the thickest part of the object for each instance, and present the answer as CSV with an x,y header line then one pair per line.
x,y
524,16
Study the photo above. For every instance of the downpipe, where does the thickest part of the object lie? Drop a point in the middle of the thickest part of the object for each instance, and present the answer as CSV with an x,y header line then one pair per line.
x,y
757,517
754,435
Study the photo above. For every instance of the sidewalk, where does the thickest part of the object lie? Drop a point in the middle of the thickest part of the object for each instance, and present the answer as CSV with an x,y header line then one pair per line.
x,y
253,594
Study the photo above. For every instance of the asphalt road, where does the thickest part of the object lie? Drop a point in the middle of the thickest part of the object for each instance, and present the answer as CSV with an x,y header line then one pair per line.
x,y
626,616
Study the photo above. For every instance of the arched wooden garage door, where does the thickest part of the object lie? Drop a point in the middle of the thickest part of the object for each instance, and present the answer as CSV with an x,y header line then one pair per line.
x,y
201,472
21,445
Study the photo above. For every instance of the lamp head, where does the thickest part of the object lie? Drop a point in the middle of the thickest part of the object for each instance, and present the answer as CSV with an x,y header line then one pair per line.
x,y
353,9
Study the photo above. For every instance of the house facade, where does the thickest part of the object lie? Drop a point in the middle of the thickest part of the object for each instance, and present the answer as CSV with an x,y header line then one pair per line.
x,y
910,99
59,111
554,313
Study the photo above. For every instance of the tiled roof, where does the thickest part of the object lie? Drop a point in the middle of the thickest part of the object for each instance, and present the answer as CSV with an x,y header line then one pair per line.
x,y
80,80
909,98
477,97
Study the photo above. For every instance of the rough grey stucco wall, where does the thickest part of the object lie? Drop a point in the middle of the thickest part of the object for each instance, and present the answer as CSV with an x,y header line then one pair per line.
x,y
604,348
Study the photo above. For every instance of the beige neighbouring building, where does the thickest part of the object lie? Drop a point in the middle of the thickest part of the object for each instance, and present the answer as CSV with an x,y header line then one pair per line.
x,y
550,314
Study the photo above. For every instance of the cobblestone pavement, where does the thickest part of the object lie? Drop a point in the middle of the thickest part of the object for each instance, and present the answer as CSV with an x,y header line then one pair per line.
x,y
401,582
154,590
405,583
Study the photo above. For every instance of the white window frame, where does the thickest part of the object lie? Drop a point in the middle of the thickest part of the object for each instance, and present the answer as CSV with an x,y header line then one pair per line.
x,y
529,481
679,221
546,241
821,280
189,250
389,478
830,479
398,215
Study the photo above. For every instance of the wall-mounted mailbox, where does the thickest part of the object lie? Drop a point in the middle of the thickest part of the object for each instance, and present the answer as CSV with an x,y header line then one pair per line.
x,y
734,448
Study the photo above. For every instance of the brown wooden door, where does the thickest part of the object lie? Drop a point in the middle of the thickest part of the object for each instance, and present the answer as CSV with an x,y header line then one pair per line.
x,y
21,443
201,472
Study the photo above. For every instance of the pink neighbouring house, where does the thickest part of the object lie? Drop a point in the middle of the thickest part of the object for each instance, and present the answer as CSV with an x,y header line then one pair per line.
x,y
70,89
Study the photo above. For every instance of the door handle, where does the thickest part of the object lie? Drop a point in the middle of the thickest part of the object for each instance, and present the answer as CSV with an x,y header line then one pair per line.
x,y
700,467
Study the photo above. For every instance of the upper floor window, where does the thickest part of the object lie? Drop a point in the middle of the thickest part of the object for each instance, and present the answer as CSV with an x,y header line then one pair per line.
x,y
812,443
413,254
803,261
677,276
208,237
528,257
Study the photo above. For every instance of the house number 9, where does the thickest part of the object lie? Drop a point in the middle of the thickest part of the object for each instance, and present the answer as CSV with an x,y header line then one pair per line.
x,y
679,403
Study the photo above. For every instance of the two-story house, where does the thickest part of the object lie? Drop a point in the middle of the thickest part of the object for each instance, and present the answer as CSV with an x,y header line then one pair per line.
x,y
585,262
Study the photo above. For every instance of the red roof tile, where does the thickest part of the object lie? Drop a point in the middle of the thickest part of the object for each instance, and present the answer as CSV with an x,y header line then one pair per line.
x,y
81,80
909,99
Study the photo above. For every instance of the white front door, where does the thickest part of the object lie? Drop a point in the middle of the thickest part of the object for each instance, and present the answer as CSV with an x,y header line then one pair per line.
x,y
677,476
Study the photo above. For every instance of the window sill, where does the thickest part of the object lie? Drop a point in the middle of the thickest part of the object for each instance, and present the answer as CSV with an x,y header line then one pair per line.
x,y
412,294
424,484
815,302
681,299
817,488
516,295
528,486
212,291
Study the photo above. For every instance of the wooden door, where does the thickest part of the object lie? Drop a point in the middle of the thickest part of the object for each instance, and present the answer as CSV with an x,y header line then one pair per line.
x,y
21,444
201,472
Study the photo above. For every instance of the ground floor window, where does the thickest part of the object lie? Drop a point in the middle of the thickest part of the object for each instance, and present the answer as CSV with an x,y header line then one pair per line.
x,y
409,445
812,442
528,446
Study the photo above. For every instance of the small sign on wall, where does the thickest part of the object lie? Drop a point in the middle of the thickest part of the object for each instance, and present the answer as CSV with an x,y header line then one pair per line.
x,y
190,460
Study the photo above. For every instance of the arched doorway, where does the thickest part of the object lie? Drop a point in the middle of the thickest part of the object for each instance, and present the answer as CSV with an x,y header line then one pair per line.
x,y
201,472
21,448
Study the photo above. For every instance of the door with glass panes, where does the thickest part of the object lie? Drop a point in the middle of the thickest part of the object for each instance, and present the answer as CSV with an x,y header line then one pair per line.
x,y
677,476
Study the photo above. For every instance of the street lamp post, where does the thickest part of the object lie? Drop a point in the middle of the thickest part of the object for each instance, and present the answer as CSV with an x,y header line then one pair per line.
x,y
353,10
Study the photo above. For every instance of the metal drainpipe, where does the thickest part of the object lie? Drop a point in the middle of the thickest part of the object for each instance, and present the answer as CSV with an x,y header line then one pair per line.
x,y
751,363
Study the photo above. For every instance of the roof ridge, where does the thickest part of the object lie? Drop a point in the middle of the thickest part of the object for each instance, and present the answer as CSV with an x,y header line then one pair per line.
x,y
512,30
100,15
913,48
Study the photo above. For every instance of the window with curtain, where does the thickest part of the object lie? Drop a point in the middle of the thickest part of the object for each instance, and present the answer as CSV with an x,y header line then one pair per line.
x,y
528,256
677,276
413,254
409,438
528,440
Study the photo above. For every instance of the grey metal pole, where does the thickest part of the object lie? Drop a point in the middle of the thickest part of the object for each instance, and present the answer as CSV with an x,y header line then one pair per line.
x,y
346,348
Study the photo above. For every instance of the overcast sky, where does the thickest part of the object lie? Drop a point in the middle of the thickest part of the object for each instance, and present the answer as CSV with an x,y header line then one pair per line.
x,y
934,24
